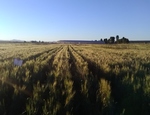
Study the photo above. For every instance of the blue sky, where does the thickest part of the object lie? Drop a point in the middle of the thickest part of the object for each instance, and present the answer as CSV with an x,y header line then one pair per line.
x,y
52,20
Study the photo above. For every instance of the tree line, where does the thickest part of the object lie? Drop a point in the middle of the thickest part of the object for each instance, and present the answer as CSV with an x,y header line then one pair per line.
x,y
113,40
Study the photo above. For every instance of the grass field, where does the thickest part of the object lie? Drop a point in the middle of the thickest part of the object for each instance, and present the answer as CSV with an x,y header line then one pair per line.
x,y
66,79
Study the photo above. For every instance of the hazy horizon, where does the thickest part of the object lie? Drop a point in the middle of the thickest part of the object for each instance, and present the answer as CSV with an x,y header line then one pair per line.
x,y
49,20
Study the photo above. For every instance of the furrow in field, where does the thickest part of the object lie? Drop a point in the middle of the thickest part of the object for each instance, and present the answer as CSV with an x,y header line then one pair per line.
x,y
30,71
23,52
22,80
65,66
85,84
6,65
75,72
89,86
96,78
39,54
59,86
46,65
77,81
62,83
93,67
58,65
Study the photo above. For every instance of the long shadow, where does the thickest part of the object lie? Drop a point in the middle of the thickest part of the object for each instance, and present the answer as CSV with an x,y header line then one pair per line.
x,y
37,55
123,91
95,74
77,79
42,77
30,57
44,72
93,67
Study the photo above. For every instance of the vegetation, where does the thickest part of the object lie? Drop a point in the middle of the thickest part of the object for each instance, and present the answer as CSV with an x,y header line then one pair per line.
x,y
111,40
59,79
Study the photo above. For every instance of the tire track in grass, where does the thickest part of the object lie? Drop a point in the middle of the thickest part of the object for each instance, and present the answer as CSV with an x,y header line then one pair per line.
x,y
95,75
98,73
40,76
93,67
78,103
64,63
9,64
39,54
21,97
76,76
64,82
49,67
42,90
59,76
30,55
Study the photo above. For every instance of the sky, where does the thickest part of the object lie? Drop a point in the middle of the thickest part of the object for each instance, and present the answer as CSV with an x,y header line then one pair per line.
x,y
52,20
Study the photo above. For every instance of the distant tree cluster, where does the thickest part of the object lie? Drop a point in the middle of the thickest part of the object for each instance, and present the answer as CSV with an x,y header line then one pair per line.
x,y
37,41
112,40
123,40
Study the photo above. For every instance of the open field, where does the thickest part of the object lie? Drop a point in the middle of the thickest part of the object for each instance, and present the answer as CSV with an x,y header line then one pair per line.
x,y
65,79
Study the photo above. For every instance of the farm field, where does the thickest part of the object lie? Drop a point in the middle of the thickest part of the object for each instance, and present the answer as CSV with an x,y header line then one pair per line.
x,y
69,79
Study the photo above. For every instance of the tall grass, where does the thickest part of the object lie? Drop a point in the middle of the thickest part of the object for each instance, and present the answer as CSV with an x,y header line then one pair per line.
x,y
75,79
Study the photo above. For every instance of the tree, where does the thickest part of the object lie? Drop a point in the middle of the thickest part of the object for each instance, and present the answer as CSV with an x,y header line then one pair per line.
x,y
117,38
112,39
105,40
124,40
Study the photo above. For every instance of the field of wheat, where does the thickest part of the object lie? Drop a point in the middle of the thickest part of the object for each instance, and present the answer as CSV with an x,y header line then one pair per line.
x,y
67,79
